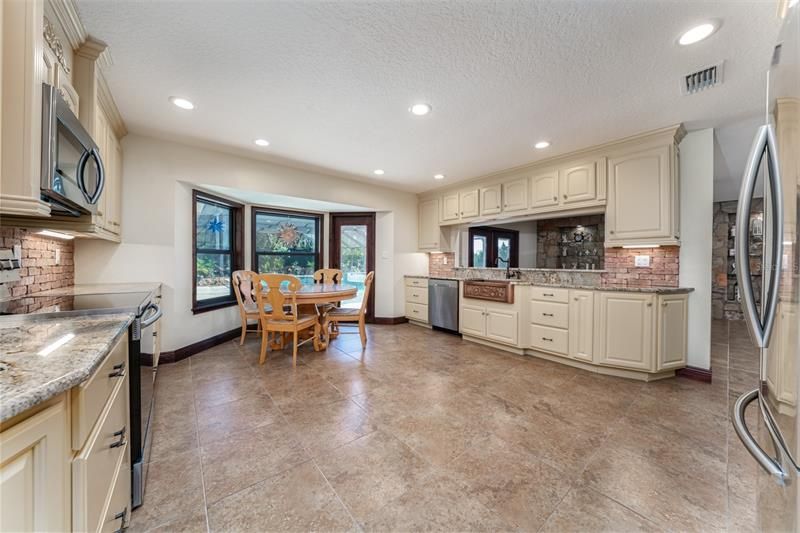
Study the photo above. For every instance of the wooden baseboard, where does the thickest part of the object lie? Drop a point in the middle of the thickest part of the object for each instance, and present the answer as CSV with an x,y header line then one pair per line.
x,y
389,320
697,374
187,351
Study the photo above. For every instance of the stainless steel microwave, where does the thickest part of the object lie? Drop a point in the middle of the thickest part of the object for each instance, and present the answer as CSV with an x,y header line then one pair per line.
x,y
72,170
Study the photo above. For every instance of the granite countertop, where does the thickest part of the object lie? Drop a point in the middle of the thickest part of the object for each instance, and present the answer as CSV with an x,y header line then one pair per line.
x,y
606,288
29,375
99,288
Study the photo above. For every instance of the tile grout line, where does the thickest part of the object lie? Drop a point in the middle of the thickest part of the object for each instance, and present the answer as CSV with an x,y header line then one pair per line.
x,y
199,450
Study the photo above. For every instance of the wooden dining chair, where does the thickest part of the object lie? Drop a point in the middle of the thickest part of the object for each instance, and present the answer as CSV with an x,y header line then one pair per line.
x,y
342,314
243,283
328,275
284,316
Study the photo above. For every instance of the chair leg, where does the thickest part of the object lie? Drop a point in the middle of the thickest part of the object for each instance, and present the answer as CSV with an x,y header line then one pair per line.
x,y
294,350
264,342
362,330
244,331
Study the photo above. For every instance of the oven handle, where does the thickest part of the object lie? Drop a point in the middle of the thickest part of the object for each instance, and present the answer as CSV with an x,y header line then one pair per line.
x,y
101,175
153,318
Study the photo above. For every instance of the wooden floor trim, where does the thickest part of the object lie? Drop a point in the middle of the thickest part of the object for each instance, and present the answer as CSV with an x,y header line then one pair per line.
x,y
695,373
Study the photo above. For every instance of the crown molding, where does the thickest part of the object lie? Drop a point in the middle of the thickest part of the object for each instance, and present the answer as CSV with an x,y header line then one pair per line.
x,y
66,13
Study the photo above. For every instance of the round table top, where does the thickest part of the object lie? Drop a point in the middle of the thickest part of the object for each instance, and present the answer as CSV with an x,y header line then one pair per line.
x,y
326,292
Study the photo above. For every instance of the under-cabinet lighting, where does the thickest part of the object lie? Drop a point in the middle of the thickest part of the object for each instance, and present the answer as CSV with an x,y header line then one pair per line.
x,y
642,246
55,345
56,234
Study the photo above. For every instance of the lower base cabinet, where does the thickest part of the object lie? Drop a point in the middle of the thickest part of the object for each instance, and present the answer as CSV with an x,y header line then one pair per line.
x,y
624,327
497,322
581,325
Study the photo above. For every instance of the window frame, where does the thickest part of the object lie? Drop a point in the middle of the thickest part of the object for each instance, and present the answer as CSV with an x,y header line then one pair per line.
x,y
492,234
320,245
236,252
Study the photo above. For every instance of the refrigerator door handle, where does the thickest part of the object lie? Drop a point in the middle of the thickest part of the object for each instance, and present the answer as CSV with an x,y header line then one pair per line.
x,y
740,425
760,327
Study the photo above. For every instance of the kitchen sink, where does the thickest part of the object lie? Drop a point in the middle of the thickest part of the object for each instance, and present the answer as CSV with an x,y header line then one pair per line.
x,y
489,289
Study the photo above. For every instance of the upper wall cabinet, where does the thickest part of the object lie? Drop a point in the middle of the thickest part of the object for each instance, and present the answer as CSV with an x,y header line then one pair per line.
x,y
491,200
643,197
544,189
515,195
429,232
450,208
578,183
469,202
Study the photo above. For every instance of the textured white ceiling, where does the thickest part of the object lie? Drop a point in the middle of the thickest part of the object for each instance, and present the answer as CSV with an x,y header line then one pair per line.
x,y
329,83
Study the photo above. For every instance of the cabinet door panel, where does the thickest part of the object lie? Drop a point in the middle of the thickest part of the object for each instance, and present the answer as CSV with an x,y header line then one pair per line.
x,y
502,326
625,330
429,225
578,183
544,190
672,332
469,203
581,325
515,195
450,210
473,320
639,195
490,200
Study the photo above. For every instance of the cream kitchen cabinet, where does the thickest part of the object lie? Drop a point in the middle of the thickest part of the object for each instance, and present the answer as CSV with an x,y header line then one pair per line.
x,y
581,325
780,361
625,329
416,300
428,228
643,197
491,200
492,321
515,195
672,331
469,203
578,183
473,320
35,471
450,208
544,189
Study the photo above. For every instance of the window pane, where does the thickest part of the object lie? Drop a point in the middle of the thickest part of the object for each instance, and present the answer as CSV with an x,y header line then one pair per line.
x,y
213,226
503,251
285,233
213,276
353,258
479,251
300,265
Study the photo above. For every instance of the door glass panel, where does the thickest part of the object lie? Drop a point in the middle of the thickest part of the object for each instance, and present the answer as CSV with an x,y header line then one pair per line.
x,y
353,259
479,251
503,251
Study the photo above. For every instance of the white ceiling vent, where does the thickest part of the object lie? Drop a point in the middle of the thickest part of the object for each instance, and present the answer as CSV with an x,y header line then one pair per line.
x,y
702,79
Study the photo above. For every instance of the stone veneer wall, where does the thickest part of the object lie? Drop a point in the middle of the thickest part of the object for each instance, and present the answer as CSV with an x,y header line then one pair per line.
x,y
39,271
437,266
549,246
621,272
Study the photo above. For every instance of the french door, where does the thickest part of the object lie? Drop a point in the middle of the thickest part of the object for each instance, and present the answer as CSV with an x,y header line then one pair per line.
x,y
352,250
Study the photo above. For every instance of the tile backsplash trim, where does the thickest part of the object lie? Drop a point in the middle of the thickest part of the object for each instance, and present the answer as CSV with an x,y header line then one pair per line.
x,y
39,271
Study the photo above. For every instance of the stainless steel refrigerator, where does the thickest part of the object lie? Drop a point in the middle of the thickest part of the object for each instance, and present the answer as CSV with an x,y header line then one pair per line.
x,y
773,436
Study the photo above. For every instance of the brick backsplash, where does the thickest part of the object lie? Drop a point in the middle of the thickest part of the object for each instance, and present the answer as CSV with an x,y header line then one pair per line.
x,y
39,271
437,266
620,269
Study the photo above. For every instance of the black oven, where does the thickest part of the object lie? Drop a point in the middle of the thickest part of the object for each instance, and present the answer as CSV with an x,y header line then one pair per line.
x,y
72,169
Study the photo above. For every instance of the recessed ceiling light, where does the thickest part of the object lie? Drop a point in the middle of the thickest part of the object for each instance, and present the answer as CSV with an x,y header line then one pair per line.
x,y
541,145
438,176
420,109
183,103
697,34
378,172
261,142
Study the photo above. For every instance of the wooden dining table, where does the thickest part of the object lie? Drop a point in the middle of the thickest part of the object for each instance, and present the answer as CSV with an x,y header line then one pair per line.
x,y
318,294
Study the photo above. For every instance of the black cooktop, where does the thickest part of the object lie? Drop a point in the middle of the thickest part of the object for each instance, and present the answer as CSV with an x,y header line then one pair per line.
x,y
124,301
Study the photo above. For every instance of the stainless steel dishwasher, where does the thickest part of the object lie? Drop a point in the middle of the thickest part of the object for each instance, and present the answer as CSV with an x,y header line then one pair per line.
x,y
443,304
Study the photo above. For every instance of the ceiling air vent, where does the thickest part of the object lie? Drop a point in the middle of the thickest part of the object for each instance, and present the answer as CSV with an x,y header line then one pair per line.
x,y
702,79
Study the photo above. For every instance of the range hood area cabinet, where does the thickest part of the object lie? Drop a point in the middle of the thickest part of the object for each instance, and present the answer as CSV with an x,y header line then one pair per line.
x,y
634,180
44,51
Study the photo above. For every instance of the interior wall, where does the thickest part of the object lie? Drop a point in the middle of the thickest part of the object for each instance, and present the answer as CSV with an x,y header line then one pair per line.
x,y
158,178
697,206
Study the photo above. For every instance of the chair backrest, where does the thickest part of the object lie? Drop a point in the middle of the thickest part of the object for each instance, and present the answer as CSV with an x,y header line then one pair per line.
x,y
243,283
367,287
328,275
280,290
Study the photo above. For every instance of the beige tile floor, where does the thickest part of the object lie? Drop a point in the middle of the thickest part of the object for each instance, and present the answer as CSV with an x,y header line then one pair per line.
x,y
423,431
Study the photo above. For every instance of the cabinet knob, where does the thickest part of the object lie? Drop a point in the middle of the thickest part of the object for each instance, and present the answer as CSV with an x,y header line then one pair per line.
x,y
555,198
663,304
649,304
576,299
565,197
611,231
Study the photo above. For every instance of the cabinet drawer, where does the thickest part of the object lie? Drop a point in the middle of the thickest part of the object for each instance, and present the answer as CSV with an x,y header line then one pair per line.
x,y
549,294
417,295
549,339
118,512
95,467
552,314
418,312
417,282
93,394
